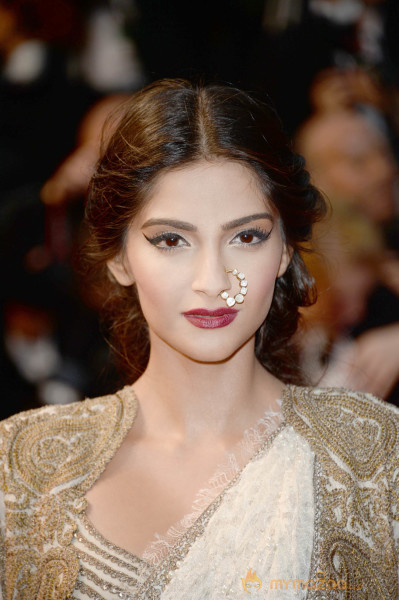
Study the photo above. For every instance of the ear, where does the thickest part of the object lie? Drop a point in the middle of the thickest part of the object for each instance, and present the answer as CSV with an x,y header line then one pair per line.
x,y
118,269
285,260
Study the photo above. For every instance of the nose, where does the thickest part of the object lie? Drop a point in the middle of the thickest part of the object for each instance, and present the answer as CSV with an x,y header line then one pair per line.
x,y
210,276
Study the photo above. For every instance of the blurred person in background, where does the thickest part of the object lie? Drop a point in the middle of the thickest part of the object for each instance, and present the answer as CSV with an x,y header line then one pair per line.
x,y
54,340
70,180
347,269
40,106
36,38
108,59
42,99
358,90
351,162
302,38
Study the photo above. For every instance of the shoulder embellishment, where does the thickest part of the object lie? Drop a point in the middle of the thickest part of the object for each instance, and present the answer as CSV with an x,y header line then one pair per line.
x,y
355,440
51,450
50,459
357,429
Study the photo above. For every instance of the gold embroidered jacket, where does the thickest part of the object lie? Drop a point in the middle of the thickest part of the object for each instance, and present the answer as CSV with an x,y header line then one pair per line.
x,y
50,457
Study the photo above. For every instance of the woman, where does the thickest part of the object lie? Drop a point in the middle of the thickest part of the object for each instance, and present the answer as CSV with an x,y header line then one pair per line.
x,y
214,475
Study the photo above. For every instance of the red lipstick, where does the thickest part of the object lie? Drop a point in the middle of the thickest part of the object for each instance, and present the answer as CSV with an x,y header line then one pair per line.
x,y
211,319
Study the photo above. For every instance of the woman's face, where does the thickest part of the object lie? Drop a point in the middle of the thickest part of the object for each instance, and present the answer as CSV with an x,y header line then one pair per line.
x,y
199,221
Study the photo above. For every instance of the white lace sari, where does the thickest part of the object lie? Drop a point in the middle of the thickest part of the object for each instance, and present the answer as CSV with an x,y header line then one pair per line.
x,y
250,531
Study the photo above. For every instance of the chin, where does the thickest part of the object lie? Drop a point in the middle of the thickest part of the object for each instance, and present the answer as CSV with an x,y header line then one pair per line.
x,y
210,357
213,355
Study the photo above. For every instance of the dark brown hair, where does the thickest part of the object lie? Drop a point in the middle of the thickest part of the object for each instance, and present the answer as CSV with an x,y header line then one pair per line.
x,y
167,125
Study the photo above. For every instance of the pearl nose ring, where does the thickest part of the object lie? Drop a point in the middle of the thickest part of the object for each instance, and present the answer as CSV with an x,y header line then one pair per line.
x,y
238,298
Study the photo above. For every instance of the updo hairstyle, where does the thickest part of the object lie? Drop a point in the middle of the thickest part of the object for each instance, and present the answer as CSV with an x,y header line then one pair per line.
x,y
173,123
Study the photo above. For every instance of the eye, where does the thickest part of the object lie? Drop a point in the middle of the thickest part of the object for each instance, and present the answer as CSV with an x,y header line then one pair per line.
x,y
171,241
251,237
167,241
246,238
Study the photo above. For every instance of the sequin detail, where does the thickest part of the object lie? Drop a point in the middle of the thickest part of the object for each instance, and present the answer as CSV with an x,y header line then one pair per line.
x,y
355,438
51,457
106,568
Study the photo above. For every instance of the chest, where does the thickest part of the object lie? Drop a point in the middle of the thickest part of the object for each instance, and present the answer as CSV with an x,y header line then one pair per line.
x,y
144,493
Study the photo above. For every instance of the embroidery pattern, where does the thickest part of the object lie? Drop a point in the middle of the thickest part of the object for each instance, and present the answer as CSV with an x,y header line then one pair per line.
x,y
53,456
50,458
356,441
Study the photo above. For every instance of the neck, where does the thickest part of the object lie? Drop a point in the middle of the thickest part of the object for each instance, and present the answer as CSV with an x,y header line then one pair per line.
x,y
185,399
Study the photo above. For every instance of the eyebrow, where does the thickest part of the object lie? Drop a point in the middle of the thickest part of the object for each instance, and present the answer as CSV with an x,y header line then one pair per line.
x,y
244,220
189,227
171,222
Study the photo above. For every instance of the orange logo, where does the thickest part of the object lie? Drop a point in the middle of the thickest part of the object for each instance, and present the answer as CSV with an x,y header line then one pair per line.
x,y
251,583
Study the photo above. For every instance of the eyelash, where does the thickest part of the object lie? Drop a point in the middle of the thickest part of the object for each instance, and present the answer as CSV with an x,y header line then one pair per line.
x,y
255,231
156,240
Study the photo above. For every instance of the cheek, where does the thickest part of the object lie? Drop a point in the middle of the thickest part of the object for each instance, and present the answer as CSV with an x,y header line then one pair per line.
x,y
263,293
260,294
157,287
263,275
266,287
152,290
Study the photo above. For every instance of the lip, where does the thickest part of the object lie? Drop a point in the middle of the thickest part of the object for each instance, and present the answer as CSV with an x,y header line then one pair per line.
x,y
211,319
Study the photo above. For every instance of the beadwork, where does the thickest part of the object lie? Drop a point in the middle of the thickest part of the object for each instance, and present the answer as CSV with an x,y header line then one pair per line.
x,y
238,298
50,458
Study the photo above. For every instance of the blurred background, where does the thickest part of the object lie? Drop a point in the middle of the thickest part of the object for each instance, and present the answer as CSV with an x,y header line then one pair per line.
x,y
331,69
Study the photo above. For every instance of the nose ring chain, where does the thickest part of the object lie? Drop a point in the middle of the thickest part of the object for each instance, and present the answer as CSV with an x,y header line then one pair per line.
x,y
238,298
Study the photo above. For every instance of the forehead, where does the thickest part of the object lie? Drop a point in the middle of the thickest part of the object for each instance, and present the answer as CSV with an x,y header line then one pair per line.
x,y
206,191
